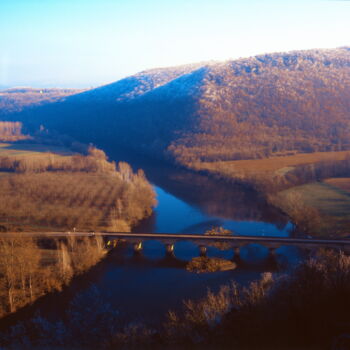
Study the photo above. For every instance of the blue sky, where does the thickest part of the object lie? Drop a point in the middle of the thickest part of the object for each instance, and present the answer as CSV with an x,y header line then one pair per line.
x,y
83,43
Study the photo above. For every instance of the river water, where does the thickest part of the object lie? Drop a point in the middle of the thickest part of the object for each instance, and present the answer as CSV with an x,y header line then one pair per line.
x,y
144,286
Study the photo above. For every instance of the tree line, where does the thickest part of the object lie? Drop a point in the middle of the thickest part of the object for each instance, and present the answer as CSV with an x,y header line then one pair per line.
x,y
11,131
87,192
29,269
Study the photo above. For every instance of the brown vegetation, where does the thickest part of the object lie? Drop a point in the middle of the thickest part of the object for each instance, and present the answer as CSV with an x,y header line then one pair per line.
x,y
319,208
268,105
204,264
108,201
274,174
11,131
308,308
28,272
306,217
218,231
54,191
342,183
55,162
276,178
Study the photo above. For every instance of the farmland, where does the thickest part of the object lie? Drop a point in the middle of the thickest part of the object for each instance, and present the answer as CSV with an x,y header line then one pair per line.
x,y
273,165
323,207
23,150
293,184
51,188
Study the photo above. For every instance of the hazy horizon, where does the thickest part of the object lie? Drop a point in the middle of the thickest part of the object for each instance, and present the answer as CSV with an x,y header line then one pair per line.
x,y
83,44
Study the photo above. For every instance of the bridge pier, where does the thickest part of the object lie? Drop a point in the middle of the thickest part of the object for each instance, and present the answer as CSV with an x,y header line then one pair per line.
x,y
169,248
236,254
273,258
137,247
272,252
202,250
111,243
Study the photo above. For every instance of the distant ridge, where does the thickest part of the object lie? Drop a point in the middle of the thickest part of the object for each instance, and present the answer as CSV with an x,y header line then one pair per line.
x,y
15,99
238,109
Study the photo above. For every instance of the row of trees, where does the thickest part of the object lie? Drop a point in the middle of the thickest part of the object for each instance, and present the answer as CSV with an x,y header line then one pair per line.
x,y
11,131
28,272
113,201
84,191
94,162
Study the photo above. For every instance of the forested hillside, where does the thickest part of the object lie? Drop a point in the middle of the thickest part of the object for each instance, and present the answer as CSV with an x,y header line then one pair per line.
x,y
273,104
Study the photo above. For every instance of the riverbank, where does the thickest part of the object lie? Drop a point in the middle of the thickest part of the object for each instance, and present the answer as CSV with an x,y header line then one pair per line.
x,y
290,183
46,187
32,268
255,316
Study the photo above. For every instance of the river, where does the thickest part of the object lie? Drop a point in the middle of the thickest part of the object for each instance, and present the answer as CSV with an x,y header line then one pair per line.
x,y
146,285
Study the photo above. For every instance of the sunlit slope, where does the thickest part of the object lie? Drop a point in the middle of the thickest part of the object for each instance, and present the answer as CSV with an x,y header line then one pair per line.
x,y
266,105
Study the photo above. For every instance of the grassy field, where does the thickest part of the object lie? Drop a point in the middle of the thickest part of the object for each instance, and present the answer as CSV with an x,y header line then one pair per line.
x,y
276,165
332,202
25,150
341,183
288,182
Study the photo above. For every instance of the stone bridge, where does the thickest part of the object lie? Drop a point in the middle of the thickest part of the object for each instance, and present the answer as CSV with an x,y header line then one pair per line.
x,y
232,241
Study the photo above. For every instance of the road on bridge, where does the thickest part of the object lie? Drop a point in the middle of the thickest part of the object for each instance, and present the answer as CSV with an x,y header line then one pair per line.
x,y
195,237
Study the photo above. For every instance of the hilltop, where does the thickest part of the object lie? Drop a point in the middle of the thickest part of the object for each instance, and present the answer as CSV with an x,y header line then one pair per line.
x,y
267,105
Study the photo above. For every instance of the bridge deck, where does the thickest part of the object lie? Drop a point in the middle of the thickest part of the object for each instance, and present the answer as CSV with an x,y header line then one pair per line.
x,y
195,237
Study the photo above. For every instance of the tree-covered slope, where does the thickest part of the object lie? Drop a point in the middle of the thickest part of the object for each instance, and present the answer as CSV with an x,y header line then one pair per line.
x,y
247,108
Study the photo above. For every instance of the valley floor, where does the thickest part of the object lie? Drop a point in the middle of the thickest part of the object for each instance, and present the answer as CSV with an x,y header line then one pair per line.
x,y
313,189
330,200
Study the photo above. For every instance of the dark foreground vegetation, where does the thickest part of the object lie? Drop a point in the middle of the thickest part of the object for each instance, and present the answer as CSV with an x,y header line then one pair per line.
x,y
306,309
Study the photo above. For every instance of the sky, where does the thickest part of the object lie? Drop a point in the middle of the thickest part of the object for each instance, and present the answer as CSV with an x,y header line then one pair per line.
x,y
85,43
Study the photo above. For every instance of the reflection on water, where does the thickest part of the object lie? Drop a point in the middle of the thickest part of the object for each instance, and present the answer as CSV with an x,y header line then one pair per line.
x,y
193,203
174,215
147,284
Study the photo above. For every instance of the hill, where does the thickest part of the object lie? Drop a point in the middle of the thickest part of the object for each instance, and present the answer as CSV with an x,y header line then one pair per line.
x,y
268,105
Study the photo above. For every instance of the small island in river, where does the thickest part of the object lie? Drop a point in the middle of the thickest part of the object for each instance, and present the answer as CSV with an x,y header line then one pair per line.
x,y
204,264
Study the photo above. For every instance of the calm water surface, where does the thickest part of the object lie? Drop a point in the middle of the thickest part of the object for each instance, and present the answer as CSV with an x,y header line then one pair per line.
x,y
144,286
